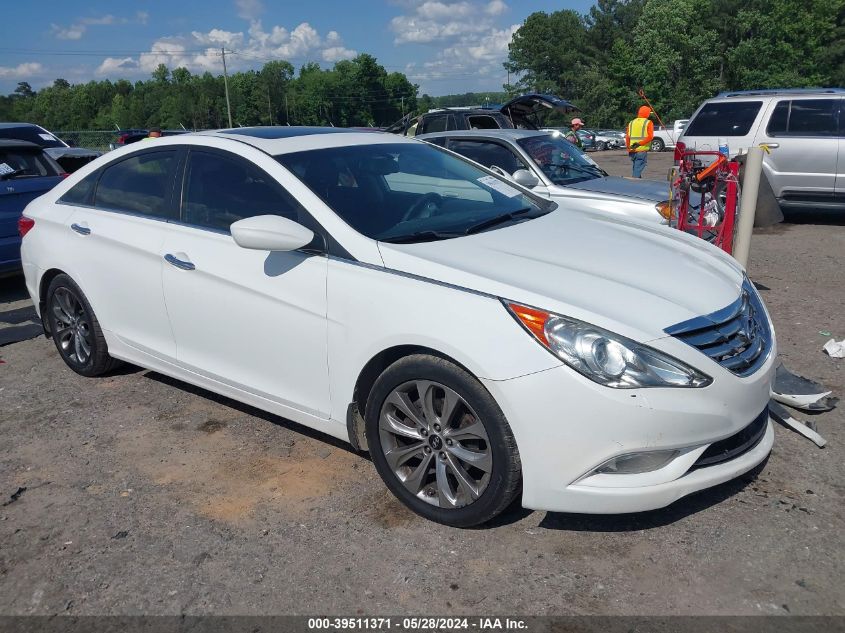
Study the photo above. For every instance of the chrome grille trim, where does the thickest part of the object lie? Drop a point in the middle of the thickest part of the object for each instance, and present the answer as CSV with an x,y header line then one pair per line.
x,y
738,336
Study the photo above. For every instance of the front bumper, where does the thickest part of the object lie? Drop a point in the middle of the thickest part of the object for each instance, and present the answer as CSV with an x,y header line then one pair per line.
x,y
566,426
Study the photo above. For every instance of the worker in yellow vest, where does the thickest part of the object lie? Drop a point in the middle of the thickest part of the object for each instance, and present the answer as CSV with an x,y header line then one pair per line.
x,y
638,139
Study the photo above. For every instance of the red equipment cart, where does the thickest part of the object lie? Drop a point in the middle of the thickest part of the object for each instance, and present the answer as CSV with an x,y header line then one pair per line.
x,y
705,195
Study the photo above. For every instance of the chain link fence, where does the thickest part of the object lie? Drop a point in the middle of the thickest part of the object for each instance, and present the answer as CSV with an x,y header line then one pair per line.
x,y
102,140
91,139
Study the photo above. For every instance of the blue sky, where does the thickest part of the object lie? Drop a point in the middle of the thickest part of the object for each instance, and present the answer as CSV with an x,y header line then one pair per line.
x,y
445,46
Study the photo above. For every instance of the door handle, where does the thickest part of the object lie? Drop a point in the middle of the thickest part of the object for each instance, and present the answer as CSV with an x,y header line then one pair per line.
x,y
81,229
179,263
771,145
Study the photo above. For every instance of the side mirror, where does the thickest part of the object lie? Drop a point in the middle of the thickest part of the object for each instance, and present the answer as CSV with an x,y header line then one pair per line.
x,y
270,233
525,178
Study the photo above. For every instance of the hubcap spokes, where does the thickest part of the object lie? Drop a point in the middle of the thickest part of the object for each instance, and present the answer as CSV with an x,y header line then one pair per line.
x,y
435,444
72,327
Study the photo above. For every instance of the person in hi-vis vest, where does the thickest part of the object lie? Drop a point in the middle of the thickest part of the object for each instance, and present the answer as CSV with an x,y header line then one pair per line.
x,y
638,139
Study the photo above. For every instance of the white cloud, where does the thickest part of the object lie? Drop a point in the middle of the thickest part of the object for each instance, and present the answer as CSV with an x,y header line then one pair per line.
x,y
21,71
249,9
471,41
200,51
76,30
439,20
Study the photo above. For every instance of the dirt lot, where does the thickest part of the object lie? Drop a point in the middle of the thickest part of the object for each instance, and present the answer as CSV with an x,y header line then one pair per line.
x,y
148,496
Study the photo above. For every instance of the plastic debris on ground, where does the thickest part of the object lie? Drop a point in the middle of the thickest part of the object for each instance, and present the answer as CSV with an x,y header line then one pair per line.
x,y
800,393
835,349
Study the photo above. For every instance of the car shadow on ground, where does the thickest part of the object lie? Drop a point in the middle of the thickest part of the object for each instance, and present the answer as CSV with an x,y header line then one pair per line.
x,y
13,289
631,522
247,409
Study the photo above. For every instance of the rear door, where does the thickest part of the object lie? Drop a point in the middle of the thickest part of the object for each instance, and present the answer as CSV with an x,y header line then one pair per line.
x,y
803,139
118,232
840,161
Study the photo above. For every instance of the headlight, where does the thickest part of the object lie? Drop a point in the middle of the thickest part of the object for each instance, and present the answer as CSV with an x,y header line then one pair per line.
x,y
605,357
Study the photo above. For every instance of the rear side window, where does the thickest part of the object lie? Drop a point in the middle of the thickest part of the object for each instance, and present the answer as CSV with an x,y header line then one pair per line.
x,y
483,122
805,117
724,118
220,190
140,184
82,191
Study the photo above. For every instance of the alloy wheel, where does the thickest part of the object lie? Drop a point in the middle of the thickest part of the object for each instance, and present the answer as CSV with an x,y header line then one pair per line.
x,y
72,327
435,444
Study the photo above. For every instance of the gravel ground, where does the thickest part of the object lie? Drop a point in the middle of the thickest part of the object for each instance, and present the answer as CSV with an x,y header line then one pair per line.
x,y
144,495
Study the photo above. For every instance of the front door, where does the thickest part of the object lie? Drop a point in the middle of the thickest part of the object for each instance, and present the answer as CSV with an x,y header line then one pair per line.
x,y
254,320
803,147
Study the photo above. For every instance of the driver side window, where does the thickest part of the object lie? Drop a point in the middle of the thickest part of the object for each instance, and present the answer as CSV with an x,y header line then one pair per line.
x,y
488,154
220,190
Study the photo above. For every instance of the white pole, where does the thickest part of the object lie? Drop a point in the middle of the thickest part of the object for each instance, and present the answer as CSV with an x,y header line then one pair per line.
x,y
748,204
226,85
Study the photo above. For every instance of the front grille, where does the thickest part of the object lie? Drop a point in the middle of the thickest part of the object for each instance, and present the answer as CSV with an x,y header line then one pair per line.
x,y
737,337
736,444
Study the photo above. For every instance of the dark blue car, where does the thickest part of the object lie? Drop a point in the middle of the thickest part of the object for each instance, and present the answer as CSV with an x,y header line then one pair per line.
x,y
26,172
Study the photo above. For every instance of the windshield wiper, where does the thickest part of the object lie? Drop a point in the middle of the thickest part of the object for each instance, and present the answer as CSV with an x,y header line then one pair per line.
x,y
419,236
14,174
587,169
498,219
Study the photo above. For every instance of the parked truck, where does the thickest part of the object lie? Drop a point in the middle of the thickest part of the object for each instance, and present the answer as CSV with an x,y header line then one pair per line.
x,y
665,137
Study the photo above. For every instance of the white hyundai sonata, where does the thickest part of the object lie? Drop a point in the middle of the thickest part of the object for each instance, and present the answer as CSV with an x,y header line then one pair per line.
x,y
481,342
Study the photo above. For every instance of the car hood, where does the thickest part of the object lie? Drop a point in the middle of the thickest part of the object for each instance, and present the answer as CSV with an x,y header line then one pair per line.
x,y
630,187
628,276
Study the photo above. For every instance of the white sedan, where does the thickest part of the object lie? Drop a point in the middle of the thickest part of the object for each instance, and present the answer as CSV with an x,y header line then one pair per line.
x,y
482,342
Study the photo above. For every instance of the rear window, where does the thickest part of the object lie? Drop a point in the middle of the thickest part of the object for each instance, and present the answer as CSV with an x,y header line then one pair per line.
x,y
17,163
32,134
805,117
724,118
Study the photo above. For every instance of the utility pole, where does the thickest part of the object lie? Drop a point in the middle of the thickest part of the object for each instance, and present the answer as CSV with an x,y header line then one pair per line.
x,y
403,106
287,112
226,86
269,107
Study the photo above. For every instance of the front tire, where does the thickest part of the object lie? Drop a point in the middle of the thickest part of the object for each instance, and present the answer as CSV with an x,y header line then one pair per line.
x,y
75,329
601,146
657,145
441,443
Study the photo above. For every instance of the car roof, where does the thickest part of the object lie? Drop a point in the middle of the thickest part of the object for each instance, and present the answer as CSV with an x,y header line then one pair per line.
x,y
283,139
505,134
777,92
11,124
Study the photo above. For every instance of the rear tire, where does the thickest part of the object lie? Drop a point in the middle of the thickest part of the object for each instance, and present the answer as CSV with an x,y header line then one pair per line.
x,y
657,145
601,146
75,329
441,443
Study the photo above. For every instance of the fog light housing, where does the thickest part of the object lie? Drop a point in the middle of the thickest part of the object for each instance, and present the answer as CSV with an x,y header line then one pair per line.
x,y
634,463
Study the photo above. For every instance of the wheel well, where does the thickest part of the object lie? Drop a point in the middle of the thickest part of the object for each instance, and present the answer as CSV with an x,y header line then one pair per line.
x,y
44,284
367,378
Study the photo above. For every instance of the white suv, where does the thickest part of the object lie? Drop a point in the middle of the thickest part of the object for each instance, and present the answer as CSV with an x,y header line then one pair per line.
x,y
803,129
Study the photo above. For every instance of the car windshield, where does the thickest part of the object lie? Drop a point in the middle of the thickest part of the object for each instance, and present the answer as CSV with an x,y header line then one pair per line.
x,y
32,134
411,192
560,160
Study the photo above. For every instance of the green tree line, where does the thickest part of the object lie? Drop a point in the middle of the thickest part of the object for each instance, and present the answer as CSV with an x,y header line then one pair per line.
x,y
357,92
679,52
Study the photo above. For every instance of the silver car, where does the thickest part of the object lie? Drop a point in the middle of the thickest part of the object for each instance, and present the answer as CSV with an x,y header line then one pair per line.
x,y
553,167
804,131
